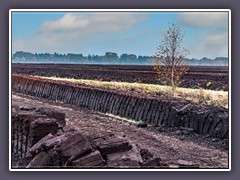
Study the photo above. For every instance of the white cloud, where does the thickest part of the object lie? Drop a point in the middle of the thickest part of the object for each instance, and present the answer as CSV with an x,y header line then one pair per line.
x,y
93,23
213,41
217,38
74,29
214,44
203,19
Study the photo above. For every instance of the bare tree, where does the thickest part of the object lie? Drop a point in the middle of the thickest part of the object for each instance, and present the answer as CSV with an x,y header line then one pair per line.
x,y
169,60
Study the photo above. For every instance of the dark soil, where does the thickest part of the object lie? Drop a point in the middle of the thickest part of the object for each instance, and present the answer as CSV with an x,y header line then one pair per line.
x,y
210,77
173,146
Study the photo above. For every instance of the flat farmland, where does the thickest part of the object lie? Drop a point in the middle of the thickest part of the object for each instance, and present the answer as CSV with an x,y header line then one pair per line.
x,y
206,77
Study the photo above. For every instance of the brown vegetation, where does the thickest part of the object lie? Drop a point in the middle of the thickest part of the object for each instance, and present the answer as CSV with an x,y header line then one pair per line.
x,y
169,59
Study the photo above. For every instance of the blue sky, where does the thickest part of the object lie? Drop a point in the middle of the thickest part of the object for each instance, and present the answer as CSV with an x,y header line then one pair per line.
x,y
205,33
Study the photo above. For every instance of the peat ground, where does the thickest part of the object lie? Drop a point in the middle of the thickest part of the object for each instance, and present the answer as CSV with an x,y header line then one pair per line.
x,y
206,77
171,146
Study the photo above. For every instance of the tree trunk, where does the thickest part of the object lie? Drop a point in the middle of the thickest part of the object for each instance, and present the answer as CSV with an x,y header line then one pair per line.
x,y
172,79
172,76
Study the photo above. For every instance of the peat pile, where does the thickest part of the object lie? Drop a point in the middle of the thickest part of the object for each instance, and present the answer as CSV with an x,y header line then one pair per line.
x,y
156,111
40,141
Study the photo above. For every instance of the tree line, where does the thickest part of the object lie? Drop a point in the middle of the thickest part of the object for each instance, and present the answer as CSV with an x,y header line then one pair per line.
x,y
108,58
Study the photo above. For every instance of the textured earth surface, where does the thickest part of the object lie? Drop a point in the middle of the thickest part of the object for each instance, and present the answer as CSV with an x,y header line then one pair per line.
x,y
173,146
206,77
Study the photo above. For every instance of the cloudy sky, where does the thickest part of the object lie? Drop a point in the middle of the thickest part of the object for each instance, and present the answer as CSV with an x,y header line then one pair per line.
x,y
205,33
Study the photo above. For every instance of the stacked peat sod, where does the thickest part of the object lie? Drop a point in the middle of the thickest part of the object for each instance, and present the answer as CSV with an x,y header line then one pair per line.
x,y
51,145
28,126
156,111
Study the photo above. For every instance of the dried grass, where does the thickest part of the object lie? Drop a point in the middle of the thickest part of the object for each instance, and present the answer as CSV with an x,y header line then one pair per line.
x,y
207,97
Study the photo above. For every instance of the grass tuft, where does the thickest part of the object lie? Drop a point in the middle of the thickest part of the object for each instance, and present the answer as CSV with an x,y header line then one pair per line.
x,y
121,118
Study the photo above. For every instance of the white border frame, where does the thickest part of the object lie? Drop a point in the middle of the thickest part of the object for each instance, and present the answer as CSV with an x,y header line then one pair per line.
x,y
119,10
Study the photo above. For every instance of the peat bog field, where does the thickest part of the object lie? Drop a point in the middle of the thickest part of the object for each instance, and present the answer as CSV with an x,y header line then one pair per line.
x,y
69,125
206,77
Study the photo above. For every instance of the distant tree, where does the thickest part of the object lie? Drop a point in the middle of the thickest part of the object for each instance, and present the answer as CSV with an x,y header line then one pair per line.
x,y
169,60
89,57
124,56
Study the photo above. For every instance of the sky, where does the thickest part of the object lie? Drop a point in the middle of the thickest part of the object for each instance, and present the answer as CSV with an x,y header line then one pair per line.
x,y
140,33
